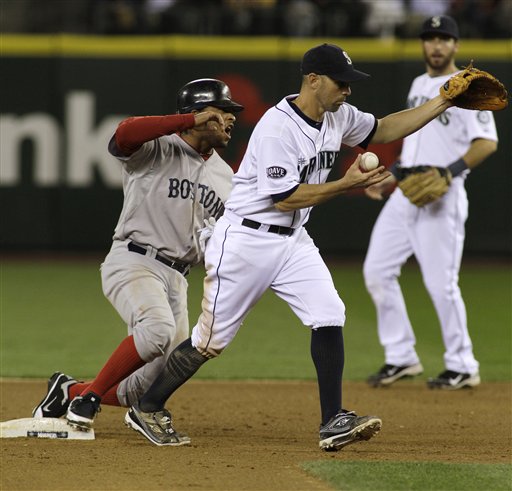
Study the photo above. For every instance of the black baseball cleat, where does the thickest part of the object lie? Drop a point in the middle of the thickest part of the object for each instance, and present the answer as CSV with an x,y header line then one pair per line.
x,y
450,380
156,427
83,410
345,428
56,401
389,374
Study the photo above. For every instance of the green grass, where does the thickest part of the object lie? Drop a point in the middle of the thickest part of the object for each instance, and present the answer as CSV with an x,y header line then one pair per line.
x,y
411,476
54,316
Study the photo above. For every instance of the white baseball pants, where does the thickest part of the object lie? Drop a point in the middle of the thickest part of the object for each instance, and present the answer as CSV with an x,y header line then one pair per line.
x,y
243,263
435,235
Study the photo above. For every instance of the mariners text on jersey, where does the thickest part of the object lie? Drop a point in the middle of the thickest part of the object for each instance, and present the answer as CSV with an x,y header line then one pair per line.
x,y
323,160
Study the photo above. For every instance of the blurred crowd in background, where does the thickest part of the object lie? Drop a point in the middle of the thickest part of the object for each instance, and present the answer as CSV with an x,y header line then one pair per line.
x,y
292,18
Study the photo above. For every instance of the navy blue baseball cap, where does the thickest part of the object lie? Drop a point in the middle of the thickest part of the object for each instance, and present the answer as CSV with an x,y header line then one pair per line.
x,y
440,24
331,60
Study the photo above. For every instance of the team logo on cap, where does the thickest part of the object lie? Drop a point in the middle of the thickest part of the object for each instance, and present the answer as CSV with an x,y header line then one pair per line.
x,y
349,61
436,22
275,172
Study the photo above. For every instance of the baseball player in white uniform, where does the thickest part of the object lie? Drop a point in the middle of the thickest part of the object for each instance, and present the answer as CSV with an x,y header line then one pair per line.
x,y
458,140
260,242
173,180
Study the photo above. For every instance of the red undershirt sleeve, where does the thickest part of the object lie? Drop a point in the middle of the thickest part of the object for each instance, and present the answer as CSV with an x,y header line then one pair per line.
x,y
133,132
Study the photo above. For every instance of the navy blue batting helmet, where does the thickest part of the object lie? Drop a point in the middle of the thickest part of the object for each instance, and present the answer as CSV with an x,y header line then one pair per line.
x,y
198,94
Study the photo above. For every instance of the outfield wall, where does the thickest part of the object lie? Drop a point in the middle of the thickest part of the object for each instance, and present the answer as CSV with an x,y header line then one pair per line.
x,y
63,96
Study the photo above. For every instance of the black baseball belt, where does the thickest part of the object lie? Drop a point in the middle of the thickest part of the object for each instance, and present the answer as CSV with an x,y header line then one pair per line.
x,y
275,229
180,266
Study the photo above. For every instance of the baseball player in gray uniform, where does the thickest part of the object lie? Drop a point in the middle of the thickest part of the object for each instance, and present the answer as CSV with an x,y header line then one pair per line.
x,y
260,242
458,140
173,180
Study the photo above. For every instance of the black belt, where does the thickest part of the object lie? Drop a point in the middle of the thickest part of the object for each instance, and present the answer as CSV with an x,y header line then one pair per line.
x,y
179,266
275,229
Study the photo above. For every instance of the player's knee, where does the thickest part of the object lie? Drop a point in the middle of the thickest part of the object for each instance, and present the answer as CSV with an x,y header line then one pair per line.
x,y
373,277
371,273
378,283
207,346
153,340
442,290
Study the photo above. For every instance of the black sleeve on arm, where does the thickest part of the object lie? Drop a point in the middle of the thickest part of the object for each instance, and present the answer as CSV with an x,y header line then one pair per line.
x,y
282,196
364,144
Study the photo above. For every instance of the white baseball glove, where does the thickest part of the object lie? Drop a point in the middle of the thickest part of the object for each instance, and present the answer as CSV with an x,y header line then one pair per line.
x,y
206,232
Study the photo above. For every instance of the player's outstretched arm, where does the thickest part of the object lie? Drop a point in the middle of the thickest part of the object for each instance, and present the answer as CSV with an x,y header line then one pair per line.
x,y
398,125
307,195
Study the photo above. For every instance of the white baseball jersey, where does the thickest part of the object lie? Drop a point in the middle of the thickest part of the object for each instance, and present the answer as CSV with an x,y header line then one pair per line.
x,y
446,138
286,150
169,189
433,233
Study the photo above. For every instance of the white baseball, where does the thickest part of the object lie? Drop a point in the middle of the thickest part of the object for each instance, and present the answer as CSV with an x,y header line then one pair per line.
x,y
369,161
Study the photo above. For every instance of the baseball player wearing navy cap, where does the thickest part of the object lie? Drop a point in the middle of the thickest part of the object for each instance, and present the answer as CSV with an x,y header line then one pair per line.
x,y
456,141
331,60
173,180
261,243
440,25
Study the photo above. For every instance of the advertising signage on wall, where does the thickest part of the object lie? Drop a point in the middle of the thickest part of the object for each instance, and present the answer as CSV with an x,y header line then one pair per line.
x,y
78,143
63,97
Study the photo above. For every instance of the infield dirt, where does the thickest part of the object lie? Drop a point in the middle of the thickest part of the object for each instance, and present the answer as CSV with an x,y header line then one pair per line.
x,y
253,435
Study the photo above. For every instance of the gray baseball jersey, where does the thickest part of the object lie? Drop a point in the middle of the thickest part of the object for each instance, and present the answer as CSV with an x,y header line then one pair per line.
x,y
169,189
165,179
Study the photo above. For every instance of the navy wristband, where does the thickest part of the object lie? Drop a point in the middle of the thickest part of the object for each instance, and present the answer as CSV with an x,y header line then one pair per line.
x,y
395,170
457,167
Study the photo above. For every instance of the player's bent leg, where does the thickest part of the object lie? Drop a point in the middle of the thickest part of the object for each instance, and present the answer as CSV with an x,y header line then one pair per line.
x,y
149,416
133,387
451,311
393,325
388,250
183,363
123,361
140,297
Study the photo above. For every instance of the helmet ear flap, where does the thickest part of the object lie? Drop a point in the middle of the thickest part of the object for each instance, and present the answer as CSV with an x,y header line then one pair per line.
x,y
204,92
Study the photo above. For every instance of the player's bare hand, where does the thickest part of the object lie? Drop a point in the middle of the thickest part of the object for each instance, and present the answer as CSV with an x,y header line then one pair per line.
x,y
208,120
377,191
356,178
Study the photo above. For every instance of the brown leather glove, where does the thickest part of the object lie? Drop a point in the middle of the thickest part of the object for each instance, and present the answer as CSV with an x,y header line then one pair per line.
x,y
425,184
475,89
